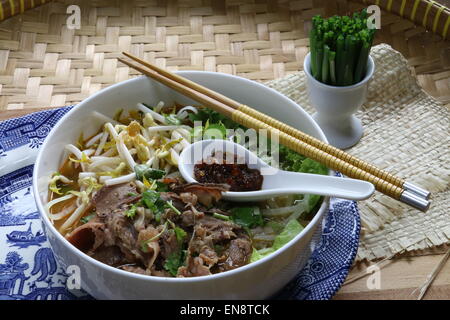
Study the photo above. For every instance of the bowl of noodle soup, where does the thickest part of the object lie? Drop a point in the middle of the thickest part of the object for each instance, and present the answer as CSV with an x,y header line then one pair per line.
x,y
113,203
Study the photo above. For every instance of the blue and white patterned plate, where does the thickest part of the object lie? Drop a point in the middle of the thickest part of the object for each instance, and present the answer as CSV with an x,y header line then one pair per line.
x,y
28,269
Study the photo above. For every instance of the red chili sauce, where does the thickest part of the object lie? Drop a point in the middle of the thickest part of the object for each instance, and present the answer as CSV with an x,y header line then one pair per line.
x,y
237,175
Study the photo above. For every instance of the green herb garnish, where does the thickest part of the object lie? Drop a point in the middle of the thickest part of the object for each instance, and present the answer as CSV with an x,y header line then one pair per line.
x,y
170,205
131,212
143,170
88,218
247,217
172,119
221,216
175,261
340,48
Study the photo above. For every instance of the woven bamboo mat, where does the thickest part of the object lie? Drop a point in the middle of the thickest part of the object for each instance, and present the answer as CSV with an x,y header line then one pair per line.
x,y
42,63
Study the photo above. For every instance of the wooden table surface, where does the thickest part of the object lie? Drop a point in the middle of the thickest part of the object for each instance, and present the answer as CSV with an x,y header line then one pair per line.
x,y
398,277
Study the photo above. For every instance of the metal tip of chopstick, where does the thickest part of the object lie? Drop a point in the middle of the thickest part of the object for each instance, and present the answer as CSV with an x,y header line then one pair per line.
x,y
415,201
417,190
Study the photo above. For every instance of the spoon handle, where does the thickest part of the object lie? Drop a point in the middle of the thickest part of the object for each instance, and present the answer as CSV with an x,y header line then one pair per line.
x,y
303,183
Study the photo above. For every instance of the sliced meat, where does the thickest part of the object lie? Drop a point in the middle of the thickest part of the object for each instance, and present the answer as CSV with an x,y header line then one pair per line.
x,y
207,193
175,198
88,237
108,199
136,269
168,243
202,252
237,254
195,268
219,230
112,256
121,232
188,198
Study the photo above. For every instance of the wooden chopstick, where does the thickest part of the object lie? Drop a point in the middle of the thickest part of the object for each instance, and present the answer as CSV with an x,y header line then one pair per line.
x,y
289,141
335,152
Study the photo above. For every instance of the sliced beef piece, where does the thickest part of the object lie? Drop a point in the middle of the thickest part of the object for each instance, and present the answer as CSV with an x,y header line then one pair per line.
x,y
175,198
160,273
203,255
189,217
88,237
121,232
112,255
108,199
237,254
195,268
136,269
188,198
168,243
219,230
207,193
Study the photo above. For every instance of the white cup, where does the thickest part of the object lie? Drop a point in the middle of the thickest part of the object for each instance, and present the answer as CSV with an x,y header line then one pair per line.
x,y
335,106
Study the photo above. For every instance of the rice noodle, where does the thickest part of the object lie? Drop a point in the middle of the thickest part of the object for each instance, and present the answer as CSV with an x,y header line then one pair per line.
x,y
76,215
123,179
124,153
104,161
74,150
94,140
104,118
278,212
103,179
162,128
102,143
84,175
58,200
112,131
183,114
88,152
62,214
159,106
109,153
155,115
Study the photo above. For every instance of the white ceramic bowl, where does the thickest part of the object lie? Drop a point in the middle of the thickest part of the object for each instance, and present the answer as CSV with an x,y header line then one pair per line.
x,y
254,281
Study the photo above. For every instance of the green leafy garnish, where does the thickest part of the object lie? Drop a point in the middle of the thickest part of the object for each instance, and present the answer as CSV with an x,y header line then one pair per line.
x,y
277,227
259,254
214,131
161,187
221,216
88,218
247,217
290,160
130,213
289,232
170,205
180,234
291,229
172,119
152,200
143,170
175,261
311,166
205,114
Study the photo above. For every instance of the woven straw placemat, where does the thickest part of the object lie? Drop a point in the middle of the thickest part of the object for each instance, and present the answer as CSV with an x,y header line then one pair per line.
x,y
407,132
42,63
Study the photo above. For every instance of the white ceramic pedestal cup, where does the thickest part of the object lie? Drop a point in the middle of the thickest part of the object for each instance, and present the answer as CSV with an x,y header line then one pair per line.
x,y
335,106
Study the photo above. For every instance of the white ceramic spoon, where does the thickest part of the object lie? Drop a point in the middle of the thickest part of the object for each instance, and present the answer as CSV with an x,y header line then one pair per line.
x,y
276,182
